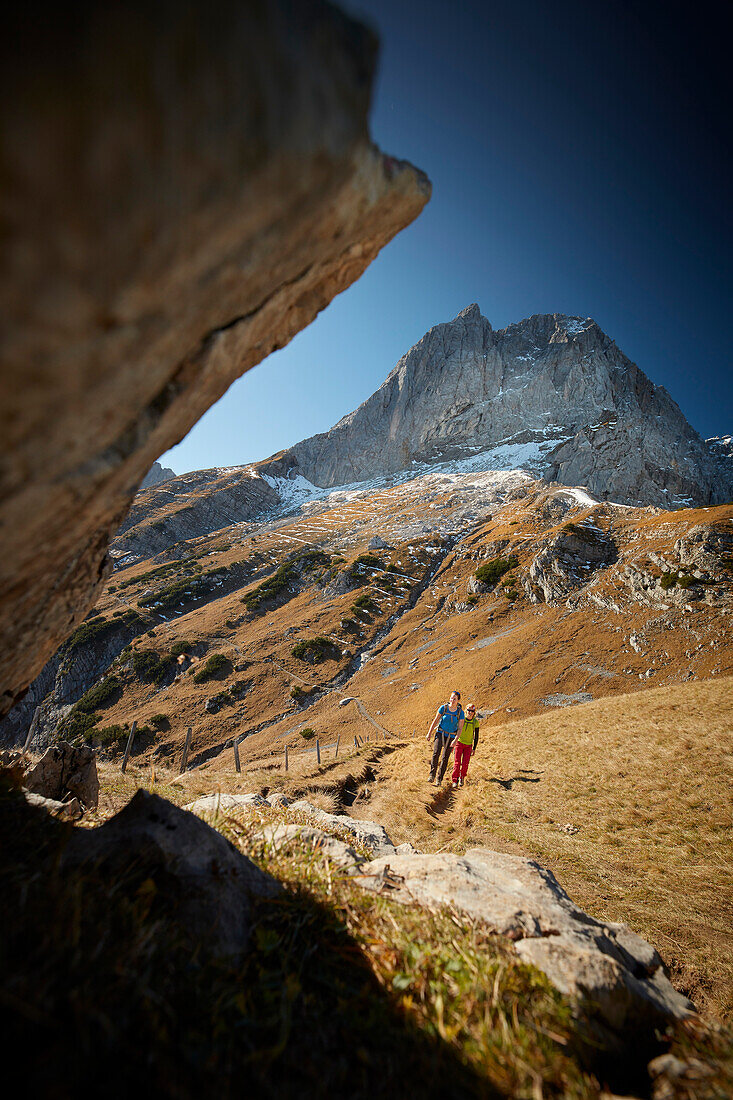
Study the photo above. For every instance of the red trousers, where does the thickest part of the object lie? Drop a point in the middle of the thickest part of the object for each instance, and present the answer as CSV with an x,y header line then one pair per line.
x,y
462,757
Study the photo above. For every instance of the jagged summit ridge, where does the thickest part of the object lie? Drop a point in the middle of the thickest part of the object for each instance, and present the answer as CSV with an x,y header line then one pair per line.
x,y
552,393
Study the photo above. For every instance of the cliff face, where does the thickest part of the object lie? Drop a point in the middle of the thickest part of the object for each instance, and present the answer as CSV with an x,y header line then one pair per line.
x,y
552,393
185,188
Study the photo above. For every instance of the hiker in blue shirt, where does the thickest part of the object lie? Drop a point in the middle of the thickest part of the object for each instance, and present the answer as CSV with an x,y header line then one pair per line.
x,y
446,726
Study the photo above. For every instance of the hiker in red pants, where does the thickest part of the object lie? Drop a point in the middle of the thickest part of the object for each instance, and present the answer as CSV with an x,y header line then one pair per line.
x,y
466,743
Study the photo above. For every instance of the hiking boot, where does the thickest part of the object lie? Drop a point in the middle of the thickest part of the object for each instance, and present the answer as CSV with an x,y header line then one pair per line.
x,y
454,784
460,782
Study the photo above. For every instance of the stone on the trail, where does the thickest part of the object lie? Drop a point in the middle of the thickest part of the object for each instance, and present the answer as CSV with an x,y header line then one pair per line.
x,y
209,883
64,811
337,850
219,802
368,833
64,770
616,975
277,798
348,699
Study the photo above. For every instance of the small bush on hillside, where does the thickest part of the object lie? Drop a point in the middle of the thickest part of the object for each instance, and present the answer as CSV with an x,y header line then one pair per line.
x,y
181,648
307,734
149,667
472,599
370,561
492,571
363,603
108,735
296,691
216,667
318,648
160,722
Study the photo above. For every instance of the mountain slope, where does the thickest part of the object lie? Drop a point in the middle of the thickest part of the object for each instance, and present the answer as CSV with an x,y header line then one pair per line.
x,y
553,394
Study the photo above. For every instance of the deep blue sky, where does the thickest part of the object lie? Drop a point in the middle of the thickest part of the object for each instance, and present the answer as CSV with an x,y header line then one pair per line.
x,y
578,158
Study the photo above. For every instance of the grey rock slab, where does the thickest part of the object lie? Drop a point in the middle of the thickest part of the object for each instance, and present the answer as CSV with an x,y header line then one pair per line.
x,y
605,966
277,798
368,833
337,850
211,885
220,802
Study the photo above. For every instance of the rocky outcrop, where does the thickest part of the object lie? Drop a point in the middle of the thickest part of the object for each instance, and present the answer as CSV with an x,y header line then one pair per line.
x,y
185,188
552,394
212,885
66,771
568,561
156,475
614,977
188,507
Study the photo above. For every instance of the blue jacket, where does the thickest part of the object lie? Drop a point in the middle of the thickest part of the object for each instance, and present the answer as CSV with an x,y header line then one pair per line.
x,y
448,720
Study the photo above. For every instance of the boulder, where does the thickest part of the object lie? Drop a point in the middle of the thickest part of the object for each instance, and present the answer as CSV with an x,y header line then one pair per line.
x,y
65,811
220,802
186,186
368,833
615,975
66,770
211,886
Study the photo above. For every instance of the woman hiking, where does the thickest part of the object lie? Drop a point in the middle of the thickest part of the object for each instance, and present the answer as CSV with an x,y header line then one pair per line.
x,y
466,743
447,725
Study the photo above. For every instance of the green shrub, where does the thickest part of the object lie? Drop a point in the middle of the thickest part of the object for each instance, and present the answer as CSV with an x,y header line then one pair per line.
x,y
216,667
100,695
108,735
149,667
472,599
160,722
77,724
492,571
318,648
363,603
94,630
270,588
308,734
181,648
668,580
296,692
686,581
370,561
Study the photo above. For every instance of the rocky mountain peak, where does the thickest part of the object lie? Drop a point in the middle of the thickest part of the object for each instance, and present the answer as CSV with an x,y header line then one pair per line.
x,y
552,394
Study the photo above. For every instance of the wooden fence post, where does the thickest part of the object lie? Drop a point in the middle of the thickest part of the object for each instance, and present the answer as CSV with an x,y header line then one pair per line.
x,y
133,727
237,763
286,758
318,750
335,755
184,758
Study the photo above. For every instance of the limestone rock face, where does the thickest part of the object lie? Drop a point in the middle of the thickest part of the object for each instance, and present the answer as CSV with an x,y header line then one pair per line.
x,y
568,561
552,394
614,972
156,475
66,770
184,188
